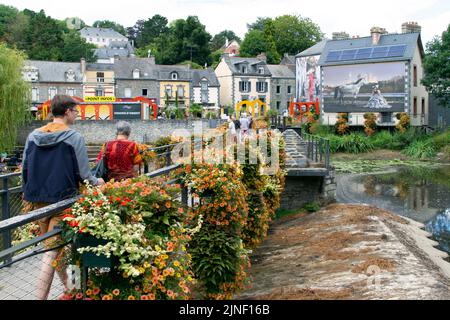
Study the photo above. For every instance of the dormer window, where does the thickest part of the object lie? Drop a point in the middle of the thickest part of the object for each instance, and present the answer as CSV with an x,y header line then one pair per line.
x,y
174,76
70,75
136,74
30,74
261,70
244,69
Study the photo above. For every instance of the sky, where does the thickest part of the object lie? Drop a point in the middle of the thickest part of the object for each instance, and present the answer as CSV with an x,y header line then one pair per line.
x,y
355,17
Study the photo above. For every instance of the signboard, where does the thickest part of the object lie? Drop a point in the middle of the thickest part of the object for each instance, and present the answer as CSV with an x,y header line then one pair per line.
x,y
307,78
375,87
100,99
127,110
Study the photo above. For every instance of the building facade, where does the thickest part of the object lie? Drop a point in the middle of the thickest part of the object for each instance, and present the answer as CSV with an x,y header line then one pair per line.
x,y
206,89
174,85
136,77
243,79
102,37
98,80
49,78
282,87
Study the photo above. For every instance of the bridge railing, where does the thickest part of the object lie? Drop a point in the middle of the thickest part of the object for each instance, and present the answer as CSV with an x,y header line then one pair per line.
x,y
317,149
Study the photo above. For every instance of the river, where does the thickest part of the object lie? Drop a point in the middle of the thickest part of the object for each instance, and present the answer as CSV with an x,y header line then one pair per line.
x,y
420,193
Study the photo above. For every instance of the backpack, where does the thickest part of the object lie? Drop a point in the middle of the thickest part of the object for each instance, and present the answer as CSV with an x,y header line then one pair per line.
x,y
237,124
101,168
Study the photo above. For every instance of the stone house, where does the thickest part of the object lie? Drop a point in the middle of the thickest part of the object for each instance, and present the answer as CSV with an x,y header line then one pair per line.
x,y
101,37
136,77
282,87
243,79
98,80
48,78
205,89
174,84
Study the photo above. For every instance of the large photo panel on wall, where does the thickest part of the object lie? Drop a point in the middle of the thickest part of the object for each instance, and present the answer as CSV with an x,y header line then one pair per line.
x,y
375,87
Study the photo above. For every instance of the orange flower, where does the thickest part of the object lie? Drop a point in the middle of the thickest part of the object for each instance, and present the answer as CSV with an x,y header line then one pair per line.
x,y
170,293
180,210
130,297
95,291
151,296
116,292
144,297
168,204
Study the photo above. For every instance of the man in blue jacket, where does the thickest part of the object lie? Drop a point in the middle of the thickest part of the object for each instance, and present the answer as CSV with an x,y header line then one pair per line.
x,y
55,163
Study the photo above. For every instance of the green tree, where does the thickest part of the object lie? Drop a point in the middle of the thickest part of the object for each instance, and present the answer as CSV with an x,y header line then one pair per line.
x,y
294,34
110,24
219,39
258,24
146,32
437,68
75,48
8,15
14,96
271,48
253,44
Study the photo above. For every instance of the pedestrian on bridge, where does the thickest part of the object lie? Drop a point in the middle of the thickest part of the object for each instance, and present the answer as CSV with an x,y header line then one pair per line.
x,y
55,164
122,155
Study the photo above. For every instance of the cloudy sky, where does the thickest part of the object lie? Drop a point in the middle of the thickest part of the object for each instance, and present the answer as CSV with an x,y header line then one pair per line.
x,y
355,17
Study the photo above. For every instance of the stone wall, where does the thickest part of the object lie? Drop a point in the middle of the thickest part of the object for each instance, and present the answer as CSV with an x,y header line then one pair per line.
x,y
97,132
302,190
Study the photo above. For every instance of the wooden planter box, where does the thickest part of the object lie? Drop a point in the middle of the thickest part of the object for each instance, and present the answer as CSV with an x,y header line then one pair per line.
x,y
90,259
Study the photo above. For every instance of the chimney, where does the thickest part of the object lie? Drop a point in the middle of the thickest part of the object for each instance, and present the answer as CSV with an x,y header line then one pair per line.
x,y
340,35
376,33
408,27
226,42
151,60
83,66
262,56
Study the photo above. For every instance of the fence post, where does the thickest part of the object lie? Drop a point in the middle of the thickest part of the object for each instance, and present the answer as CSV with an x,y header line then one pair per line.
x,y
6,215
184,195
168,153
320,149
327,153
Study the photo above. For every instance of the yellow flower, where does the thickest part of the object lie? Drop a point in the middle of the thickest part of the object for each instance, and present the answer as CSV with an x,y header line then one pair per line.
x,y
54,263
88,292
176,263
141,270
131,298
178,275
146,265
165,256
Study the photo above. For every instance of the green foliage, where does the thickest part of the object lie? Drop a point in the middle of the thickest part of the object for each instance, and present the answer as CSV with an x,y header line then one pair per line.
x,y
421,149
219,39
351,143
272,113
441,139
75,47
14,96
147,31
196,110
110,24
253,44
312,207
192,64
437,68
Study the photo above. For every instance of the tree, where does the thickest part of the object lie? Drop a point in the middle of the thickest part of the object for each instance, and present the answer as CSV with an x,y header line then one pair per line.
x,y
437,68
271,48
294,34
258,24
14,96
253,44
219,39
110,24
75,48
146,32
8,14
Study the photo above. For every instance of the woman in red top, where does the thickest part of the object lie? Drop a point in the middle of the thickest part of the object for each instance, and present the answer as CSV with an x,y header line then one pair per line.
x,y
121,154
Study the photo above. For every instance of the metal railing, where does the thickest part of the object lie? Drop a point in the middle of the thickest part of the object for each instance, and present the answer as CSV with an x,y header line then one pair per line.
x,y
317,149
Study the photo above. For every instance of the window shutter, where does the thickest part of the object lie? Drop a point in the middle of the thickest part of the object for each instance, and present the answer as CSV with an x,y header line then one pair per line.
x,y
240,86
249,86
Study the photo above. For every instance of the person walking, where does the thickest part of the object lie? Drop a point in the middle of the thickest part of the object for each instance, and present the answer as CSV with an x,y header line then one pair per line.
x,y
122,155
55,163
245,125
232,129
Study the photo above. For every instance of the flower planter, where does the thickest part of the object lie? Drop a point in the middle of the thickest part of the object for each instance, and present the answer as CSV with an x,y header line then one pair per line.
x,y
90,259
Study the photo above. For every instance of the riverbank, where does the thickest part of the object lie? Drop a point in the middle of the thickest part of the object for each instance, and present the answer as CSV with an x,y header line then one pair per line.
x,y
347,251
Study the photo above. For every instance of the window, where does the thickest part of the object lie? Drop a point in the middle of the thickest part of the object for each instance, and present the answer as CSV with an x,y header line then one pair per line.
x,y
289,89
35,94
423,106
204,91
244,69
415,107
70,75
244,86
261,86
70,92
100,77
169,90
99,93
261,70
174,76
386,117
103,39
180,91
278,89
127,92
415,75
278,105
136,74
51,93
144,92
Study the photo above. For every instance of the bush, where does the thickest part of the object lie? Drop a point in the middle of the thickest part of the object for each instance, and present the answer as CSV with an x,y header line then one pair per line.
x,y
342,123
421,149
370,124
441,140
312,207
404,122
352,143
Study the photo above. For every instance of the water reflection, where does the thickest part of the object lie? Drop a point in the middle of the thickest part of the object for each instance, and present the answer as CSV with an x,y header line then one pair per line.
x,y
422,194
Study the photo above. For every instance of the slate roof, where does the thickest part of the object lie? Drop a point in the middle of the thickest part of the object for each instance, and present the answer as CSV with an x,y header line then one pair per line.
x,y
123,68
121,49
288,59
53,71
252,63
281,71
101,33
411,40
99,66
314,50
165,71
209,74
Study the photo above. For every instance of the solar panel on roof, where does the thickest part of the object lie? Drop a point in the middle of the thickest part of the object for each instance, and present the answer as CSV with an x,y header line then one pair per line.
x,y
380,52
363,53
396,51
333,56
348,54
